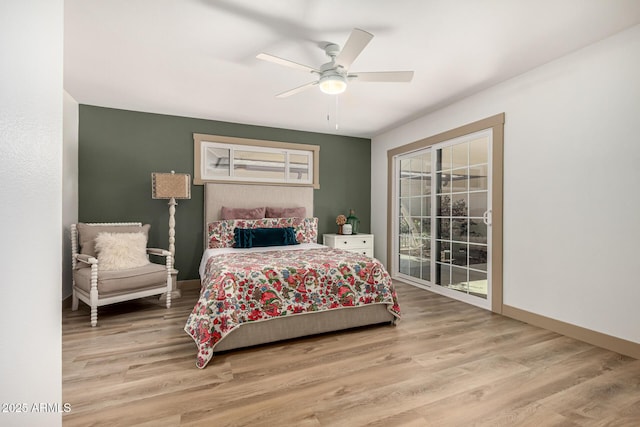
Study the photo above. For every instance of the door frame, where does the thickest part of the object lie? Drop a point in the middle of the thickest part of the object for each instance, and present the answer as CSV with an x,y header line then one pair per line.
x,y
496,124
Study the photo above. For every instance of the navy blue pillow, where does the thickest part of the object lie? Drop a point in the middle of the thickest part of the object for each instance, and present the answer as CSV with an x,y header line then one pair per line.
x,y
242,237
262,237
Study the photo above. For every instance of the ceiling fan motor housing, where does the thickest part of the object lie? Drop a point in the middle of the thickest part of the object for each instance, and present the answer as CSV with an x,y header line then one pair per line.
x,y
332,50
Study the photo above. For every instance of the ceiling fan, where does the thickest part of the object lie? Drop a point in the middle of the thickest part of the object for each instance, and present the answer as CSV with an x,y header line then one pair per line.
x,y
334,75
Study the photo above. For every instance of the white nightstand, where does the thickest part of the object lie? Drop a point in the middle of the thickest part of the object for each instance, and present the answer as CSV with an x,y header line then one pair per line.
x,y
359,243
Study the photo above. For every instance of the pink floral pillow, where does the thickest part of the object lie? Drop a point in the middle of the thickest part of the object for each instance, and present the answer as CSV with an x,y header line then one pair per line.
x,y
220,233
306,229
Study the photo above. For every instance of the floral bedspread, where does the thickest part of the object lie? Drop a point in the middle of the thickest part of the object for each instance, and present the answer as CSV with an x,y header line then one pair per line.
x,y
258,286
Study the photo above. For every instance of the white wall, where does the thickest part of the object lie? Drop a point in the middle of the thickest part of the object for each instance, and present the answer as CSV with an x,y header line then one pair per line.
x,y
31,39
571,183
69,185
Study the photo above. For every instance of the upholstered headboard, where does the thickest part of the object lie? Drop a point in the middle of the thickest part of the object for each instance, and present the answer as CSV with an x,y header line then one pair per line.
x,y
217,195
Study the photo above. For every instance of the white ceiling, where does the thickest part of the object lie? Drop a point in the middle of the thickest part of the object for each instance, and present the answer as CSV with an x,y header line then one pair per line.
x,y
196,58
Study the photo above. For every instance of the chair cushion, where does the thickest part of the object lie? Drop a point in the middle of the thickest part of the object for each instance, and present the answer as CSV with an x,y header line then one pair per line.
x,y
87,234
115,282
119,251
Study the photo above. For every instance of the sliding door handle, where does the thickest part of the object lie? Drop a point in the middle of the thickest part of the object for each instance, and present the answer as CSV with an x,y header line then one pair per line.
x,y
486,217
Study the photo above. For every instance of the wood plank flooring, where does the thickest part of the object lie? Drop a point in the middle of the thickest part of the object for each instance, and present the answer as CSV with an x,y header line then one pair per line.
x,y
445,364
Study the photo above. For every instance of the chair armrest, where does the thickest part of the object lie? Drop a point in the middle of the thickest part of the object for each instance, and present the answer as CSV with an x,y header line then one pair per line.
x,y
157,251
87,259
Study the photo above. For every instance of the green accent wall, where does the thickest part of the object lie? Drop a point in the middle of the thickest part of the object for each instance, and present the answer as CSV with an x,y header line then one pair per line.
x,y
118,150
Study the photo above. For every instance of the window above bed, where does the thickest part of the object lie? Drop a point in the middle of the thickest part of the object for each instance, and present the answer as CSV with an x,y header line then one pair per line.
x,y
227,159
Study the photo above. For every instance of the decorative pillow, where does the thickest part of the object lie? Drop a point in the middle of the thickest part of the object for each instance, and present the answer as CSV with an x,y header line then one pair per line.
x,y
306,229
119,251
285,212
87,234
242,213
221,233
261,237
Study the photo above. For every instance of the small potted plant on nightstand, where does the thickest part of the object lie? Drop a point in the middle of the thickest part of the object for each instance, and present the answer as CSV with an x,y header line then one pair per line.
x,y
341,220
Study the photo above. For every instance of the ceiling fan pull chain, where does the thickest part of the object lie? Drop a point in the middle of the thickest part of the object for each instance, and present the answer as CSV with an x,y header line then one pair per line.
x,y
336,115
329,114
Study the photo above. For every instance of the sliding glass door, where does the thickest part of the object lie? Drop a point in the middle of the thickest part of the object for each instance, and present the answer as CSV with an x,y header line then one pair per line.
x,y
443,217
414,205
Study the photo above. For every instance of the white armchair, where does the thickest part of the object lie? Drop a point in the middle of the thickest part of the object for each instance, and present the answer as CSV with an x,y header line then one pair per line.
x,y
110,264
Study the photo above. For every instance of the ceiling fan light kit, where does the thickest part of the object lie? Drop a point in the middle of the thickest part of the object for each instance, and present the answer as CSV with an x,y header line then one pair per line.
x,y
333,84
333,76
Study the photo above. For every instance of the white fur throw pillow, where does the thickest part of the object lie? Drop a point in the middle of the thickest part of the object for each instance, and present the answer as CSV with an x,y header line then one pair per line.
x,y
119,251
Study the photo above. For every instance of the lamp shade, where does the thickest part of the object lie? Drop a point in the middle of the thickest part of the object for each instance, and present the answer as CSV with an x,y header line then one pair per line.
x,y
170,185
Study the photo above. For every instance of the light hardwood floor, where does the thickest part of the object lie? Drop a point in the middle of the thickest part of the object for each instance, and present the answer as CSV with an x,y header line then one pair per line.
x,y
445,364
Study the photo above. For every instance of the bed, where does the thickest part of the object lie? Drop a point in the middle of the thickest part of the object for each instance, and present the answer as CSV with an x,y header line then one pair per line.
x,y
257,295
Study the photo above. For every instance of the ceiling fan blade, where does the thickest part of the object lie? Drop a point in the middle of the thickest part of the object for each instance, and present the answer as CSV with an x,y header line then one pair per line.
x,y
286,62
297,90
355,44
383,76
